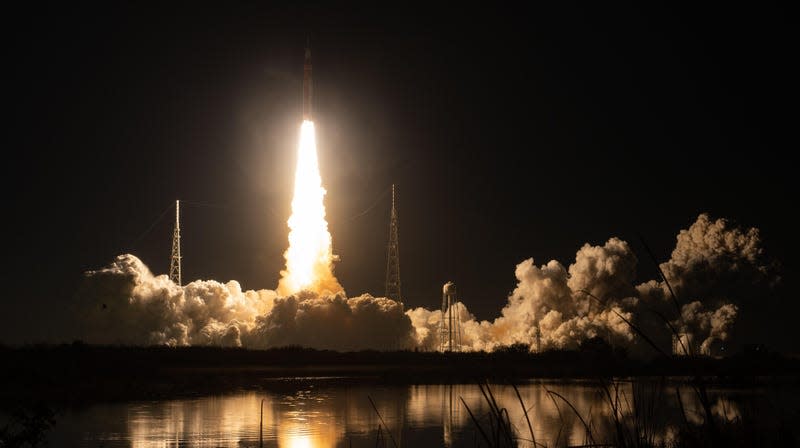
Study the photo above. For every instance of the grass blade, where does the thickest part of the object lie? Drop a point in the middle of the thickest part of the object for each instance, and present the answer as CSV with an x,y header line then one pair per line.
x,y
391,437
475,420
588,430
527,418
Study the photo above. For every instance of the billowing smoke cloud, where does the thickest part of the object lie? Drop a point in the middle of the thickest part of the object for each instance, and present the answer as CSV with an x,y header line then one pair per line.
x,y
335,322
550,307
714,260
714,269
125,303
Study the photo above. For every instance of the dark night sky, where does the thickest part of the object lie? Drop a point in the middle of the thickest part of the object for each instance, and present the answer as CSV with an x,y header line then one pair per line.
x,y
510,133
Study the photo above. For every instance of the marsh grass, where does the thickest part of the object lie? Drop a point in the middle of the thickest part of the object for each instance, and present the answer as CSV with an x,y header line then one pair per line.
x,y
497,431
634,418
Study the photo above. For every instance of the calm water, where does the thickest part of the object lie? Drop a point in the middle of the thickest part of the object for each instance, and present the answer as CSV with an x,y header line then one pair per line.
x,y
321,413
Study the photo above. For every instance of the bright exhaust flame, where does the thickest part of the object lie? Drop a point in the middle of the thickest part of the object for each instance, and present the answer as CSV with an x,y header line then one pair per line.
x,y
309,256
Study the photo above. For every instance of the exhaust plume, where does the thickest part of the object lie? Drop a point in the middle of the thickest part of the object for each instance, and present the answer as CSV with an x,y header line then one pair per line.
x,y
309,258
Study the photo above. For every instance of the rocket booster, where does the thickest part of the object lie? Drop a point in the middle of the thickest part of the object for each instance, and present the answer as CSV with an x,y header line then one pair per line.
x,y
308,88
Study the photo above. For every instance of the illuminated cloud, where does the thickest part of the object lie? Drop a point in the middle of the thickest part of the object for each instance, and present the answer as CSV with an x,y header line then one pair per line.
x,y
552,307
714,267
124,303
335,322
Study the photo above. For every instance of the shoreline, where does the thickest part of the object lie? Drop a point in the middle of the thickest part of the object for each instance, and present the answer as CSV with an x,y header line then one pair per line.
x,y
80,374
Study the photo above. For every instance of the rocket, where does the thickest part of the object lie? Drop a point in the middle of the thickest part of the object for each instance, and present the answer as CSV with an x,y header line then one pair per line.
x,y
308,88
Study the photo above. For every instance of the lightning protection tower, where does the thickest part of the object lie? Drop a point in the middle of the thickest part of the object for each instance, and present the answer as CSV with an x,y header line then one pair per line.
x,y
450,326
175,260
393,257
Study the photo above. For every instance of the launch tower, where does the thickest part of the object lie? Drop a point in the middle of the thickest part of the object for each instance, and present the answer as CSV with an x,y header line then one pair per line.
x,y
175,260
393,257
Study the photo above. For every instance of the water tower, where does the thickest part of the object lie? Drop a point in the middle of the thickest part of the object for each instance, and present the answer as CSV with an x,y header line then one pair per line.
x,y
450,326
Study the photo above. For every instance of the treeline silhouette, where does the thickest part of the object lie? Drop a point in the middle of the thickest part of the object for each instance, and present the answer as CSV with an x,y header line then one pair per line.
x,y
82,372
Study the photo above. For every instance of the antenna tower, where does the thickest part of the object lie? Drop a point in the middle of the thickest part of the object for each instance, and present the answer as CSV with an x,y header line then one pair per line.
x,y
175,260
393,257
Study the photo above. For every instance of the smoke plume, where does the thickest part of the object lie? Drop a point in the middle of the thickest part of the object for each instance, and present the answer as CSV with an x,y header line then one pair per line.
x,y
335,322
124,303
715,269
550,307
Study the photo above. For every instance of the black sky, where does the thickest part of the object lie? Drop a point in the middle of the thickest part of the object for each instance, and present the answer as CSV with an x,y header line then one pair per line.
x,y
510,133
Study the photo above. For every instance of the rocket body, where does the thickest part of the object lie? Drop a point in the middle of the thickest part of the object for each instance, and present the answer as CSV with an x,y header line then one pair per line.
x,y
308,86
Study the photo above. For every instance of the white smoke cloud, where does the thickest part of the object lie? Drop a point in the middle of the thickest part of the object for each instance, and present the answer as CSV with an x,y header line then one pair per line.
x,y
712,326
713,259
604,271
548,308
552,307
557,308
335,322
715,269
125,303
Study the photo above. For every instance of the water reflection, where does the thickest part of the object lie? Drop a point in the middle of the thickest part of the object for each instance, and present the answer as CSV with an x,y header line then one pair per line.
x,y
306,419
311,414
204,422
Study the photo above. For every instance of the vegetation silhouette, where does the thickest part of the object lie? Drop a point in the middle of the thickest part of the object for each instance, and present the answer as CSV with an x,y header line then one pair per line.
x,y
83,373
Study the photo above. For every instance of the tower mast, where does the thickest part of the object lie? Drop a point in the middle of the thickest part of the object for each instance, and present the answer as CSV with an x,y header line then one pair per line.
x,y
175,259
393,257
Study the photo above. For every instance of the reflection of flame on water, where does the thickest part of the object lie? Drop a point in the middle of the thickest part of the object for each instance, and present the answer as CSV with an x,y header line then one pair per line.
x,y
307,420
231,421
312,434
318,419
209,422
300,441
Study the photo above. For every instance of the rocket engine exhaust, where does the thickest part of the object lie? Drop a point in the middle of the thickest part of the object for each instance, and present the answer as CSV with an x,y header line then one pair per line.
x,y
309,258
